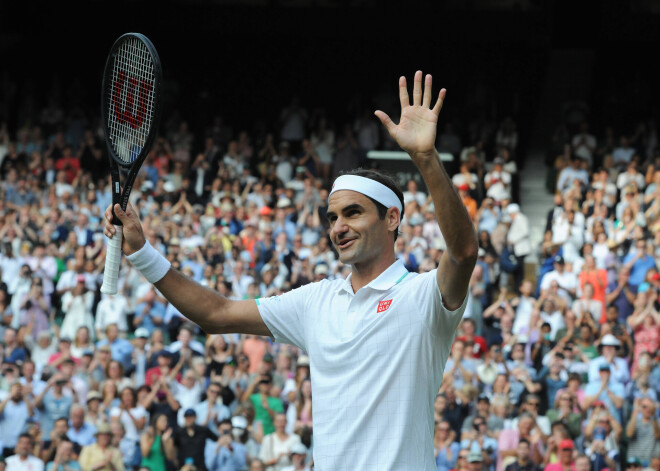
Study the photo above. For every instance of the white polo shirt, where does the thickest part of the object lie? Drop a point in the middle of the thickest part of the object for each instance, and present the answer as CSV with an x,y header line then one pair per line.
x,y
376,361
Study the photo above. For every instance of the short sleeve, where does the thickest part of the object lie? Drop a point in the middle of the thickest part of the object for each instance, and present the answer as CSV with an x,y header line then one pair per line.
x,y
441,320
284,315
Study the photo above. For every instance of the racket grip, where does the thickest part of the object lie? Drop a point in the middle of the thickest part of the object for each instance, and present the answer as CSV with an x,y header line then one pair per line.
x,y
112,262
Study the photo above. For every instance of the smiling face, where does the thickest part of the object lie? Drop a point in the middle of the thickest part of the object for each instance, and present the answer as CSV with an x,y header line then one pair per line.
x,y
356,230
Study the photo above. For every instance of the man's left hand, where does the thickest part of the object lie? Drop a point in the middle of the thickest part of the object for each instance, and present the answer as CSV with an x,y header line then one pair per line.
x,y
416,131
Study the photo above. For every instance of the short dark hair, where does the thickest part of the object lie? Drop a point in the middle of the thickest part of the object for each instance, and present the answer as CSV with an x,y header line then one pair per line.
x,y
523,440
390,183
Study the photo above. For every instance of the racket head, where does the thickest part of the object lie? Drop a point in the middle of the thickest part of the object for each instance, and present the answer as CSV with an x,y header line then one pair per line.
x,y
131,102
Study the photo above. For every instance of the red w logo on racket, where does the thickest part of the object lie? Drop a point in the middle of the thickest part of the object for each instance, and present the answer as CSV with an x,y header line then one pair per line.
x,y
128,114
383,306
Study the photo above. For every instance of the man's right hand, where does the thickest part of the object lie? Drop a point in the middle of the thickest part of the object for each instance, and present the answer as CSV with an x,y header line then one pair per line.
x,y
133,236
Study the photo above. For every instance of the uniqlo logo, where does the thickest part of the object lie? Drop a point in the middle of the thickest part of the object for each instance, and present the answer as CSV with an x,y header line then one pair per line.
x,y
384,305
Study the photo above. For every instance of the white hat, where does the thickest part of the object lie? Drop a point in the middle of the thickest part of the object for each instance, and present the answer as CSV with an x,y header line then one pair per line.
x,y
611,340
168,186
284,203
238,421
439,243
299,449
141,332
512,208
321,269
416,219
303,360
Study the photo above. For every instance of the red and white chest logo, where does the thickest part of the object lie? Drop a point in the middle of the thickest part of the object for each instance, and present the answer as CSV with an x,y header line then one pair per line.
x,y
384,306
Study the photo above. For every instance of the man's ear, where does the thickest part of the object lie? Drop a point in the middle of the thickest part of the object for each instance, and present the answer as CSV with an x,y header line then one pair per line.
x,y
392,217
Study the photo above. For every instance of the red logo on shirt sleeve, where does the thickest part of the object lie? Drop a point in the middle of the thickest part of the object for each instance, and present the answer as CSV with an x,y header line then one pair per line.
x,y
384,305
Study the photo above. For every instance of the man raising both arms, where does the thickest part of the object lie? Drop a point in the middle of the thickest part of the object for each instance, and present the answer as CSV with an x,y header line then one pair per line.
x,y
377,341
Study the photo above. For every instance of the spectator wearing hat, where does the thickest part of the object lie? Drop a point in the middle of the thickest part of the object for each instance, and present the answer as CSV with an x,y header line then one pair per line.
x,y
608,346
643,431
298,459
566,461
606,390
190,440
93,414
139,356
567,281
633,463
101,456
227,453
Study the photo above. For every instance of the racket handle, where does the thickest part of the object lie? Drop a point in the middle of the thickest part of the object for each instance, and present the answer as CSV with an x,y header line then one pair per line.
x,y
112,262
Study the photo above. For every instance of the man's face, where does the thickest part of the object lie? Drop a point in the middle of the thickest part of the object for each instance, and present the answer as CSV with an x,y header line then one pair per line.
x,y
566,455
522,451
440,403
61,427
65,448
356,230
265,384
24,446
518,352
16,392
77,417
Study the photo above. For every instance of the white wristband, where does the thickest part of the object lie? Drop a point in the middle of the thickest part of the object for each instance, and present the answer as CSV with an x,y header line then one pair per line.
x,y
150,263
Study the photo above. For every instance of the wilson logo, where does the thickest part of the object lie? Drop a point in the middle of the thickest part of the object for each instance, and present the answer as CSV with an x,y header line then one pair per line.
x,y
384,305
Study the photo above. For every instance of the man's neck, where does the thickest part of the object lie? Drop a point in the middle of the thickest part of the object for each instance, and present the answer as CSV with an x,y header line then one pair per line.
x,y
363,274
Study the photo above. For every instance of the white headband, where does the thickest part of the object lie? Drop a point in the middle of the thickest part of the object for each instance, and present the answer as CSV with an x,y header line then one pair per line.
x,y
367,187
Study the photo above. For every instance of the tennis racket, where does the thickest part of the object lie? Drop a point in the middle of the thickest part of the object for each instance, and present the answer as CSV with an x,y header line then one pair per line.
x,y
131,108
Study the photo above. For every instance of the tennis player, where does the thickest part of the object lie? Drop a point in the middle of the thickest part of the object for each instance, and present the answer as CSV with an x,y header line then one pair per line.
x,y
377,341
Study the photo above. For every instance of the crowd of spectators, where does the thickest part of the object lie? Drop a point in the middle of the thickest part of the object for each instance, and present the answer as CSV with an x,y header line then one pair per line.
x,y
552,368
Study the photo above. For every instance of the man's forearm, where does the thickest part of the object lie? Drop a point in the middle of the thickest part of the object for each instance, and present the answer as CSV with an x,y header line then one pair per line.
x,y
196,302
452,216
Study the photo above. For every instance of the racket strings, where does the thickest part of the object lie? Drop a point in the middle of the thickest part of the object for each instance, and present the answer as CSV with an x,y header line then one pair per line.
x,y
130,100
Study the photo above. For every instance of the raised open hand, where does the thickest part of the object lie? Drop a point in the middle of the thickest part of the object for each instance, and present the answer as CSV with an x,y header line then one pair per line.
x,y
417,126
